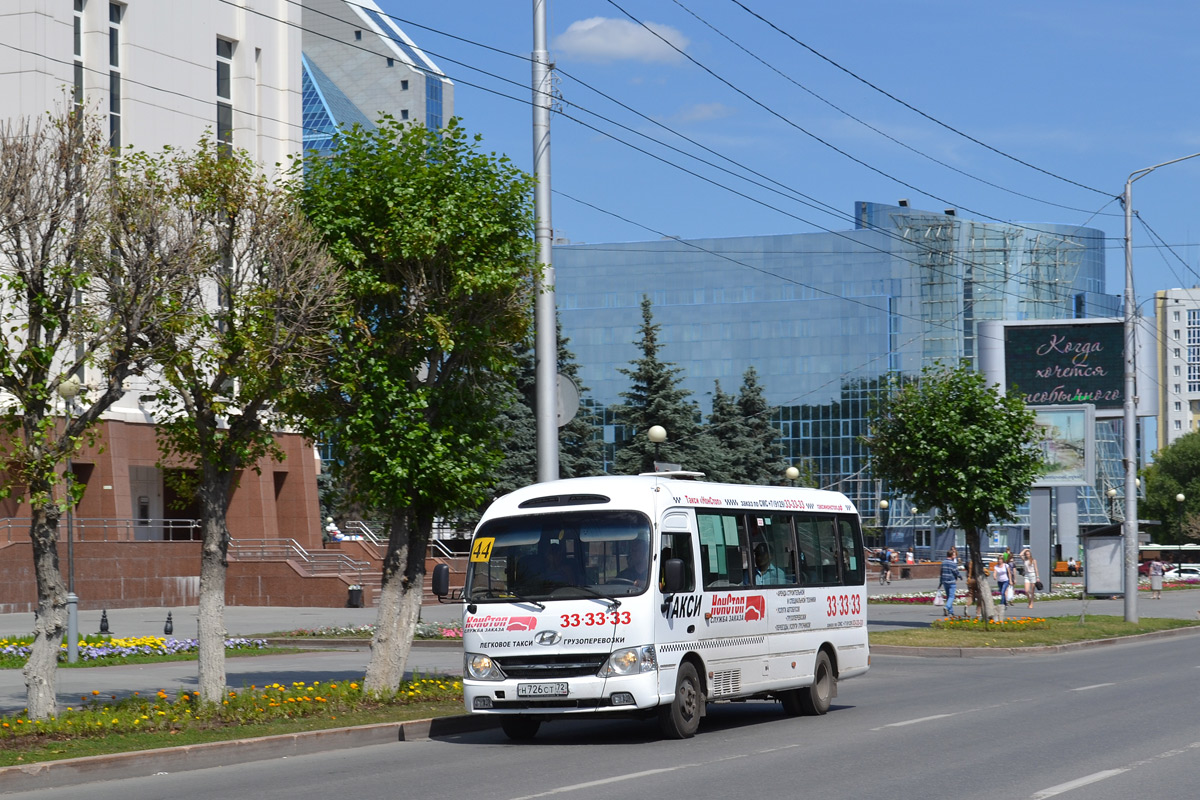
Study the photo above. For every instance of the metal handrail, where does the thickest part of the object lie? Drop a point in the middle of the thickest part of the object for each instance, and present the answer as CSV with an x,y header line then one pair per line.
x,y
317,562
103,529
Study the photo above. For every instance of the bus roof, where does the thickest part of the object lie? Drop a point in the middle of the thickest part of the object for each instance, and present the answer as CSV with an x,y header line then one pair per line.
x,y
624,491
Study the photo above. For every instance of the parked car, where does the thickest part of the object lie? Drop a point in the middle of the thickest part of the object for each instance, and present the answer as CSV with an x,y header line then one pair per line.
x,y
1186,572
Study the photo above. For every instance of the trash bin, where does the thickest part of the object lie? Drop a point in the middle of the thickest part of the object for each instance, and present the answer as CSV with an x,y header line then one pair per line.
x,y
355,600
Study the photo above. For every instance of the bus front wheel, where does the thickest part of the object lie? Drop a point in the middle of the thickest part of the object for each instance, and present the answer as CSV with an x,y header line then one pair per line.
x,y
681,719
520,729
816,699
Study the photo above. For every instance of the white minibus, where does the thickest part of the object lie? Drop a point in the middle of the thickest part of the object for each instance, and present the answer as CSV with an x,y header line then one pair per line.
x,y
652,595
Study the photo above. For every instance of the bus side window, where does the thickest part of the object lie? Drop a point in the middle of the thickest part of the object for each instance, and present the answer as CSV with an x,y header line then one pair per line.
x,y
724,544
679,545
852,557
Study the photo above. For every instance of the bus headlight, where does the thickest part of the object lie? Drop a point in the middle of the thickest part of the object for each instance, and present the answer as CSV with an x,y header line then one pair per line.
x,y
479,667
630,661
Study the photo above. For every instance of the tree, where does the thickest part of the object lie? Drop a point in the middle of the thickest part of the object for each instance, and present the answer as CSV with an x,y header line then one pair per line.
x,y
75,304
249,331
1175,470
725,427
437,241
952,443
580,452
656,398
761,461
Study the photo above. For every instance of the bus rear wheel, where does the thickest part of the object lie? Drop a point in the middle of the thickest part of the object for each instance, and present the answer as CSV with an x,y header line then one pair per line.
x,y
816,699
520,729
681,719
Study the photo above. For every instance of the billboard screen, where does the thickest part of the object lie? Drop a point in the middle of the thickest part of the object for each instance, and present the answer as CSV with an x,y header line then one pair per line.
x,y
1066,363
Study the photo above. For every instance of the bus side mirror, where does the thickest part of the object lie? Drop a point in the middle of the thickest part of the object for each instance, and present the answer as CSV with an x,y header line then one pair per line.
x,y
673,577
441,580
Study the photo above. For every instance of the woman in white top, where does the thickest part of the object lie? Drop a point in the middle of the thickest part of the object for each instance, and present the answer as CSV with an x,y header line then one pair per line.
x,y
1030,574
1003,573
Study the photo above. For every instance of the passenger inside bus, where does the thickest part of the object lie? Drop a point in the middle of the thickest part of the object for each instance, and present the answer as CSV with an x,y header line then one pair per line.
x,y
549,569
637,566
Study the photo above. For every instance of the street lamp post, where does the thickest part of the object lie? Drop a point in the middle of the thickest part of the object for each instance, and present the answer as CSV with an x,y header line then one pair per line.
x,y
1129,415
883,507
658,435
1179,498
1112,504
68,390
791,473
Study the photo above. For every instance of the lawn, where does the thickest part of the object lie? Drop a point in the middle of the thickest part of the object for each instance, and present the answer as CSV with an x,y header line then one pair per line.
x,y
1024,631
99,725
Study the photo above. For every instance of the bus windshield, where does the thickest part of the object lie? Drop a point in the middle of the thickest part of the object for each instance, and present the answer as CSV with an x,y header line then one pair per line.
x,y
559,556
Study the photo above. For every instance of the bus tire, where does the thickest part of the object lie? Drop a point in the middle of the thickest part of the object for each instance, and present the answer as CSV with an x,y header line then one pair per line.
x,y
792,705
681,718
816,699
520,729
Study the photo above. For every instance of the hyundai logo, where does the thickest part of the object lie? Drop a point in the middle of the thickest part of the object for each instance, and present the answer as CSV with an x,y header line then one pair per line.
x,y
547,638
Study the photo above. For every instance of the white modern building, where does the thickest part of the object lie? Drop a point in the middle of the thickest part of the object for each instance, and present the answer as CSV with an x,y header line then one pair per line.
x,y
165,72
1177,331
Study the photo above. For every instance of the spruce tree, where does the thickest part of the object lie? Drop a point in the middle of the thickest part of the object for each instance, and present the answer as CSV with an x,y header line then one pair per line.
x,y
656,398
761,459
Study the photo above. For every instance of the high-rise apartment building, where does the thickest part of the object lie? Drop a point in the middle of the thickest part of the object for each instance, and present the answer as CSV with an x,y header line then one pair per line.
x,y
1177,333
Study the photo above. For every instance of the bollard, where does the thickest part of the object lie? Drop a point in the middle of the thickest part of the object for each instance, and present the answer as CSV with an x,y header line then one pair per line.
x,y
72,628
104,621
169,628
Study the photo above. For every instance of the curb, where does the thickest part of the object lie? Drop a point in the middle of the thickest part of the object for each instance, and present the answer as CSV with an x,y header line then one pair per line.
x,y
1050,649
140,763
318,643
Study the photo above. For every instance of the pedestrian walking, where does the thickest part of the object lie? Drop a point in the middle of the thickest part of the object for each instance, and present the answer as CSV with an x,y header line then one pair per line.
x,y
1156,579
949,579
1031,575
1003,573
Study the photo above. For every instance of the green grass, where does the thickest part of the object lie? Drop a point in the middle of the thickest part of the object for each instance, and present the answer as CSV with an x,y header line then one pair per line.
x,y
1036,631
100,725
34,749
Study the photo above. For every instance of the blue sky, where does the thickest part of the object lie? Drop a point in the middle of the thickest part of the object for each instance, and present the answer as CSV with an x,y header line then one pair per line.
x,y
1018,111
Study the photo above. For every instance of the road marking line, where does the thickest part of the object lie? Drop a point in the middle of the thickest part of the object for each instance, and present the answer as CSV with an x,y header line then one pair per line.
x,y
605,781
913,721
1075,784
1099,776
1093,686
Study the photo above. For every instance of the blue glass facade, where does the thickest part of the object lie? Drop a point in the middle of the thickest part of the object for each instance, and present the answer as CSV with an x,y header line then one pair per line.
x,y
325,108
825,318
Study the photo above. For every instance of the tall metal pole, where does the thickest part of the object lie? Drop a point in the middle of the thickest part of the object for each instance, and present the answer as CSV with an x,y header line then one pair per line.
x,y
545,319
1130,529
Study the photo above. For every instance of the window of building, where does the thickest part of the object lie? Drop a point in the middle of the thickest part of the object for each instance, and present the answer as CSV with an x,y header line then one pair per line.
x,y
1177,371
1175,316
404,113
358,36
1178,425
391,62
78,77
404,86
225,94
115,15
1178,406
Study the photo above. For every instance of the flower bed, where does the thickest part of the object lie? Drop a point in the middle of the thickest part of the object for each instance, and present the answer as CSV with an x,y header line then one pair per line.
x,y
424,630
98,716
97,648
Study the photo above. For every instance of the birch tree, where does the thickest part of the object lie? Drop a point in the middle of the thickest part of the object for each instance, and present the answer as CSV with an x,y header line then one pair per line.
x,y
76,299
251,330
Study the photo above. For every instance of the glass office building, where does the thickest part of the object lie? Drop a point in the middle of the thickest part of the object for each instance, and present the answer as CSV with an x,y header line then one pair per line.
x,y
825,318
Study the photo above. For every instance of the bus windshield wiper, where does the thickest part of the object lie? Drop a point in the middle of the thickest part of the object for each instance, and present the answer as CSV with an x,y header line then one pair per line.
x,y
614,602
506,597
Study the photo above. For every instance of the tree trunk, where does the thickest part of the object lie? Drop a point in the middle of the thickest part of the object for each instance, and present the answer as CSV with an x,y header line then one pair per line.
x,y
42,666
981,578
211,641
400,599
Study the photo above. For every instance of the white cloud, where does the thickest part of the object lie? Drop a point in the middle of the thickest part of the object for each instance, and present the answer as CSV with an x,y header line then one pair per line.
x,y
600,39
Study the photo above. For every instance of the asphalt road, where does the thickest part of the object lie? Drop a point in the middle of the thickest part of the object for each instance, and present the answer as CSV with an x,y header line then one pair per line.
x,y
1109,723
